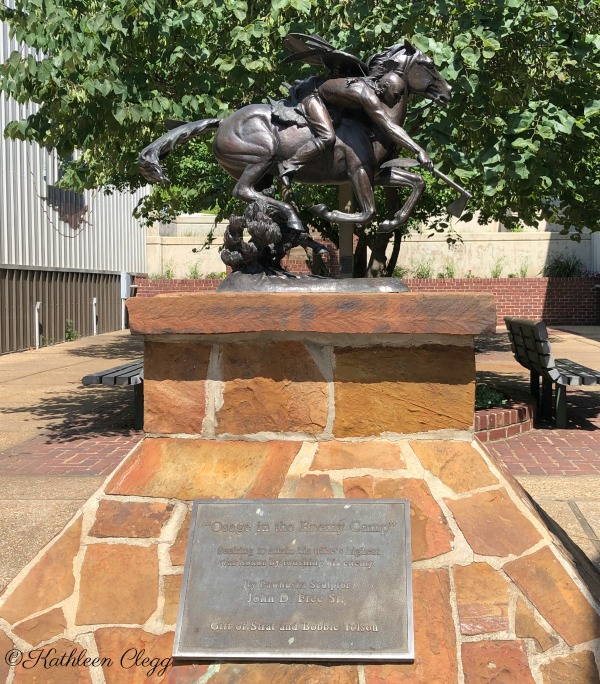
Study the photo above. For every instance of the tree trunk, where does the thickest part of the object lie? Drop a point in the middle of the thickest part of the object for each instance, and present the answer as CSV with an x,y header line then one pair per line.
x,y
377,267
392,263
360,255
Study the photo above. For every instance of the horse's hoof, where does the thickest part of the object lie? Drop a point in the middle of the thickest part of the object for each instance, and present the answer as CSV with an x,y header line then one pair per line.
x,y
319,210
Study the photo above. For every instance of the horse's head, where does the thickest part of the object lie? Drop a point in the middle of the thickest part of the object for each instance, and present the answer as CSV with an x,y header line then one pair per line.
x,y
415,67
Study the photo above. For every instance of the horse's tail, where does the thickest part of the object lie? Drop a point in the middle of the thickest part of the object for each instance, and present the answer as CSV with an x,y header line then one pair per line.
x,y
149,159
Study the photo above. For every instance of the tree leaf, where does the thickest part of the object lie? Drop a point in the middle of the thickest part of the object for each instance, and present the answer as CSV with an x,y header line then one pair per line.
x,y
591,108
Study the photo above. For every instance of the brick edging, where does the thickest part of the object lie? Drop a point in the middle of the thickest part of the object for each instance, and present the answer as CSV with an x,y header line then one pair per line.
x,y
504,421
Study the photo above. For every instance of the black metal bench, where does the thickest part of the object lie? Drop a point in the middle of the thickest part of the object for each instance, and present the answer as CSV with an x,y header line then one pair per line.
x,y
531,348
131,373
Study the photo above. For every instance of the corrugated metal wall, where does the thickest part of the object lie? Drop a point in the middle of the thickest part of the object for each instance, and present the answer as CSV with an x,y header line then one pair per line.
x,y
58,248
66,306
43,226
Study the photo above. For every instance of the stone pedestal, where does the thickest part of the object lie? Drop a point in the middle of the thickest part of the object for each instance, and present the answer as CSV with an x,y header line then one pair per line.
x,y
322,365
312,396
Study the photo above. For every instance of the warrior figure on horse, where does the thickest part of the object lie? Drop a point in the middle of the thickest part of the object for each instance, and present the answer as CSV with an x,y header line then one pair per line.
x,y
376,84
339,127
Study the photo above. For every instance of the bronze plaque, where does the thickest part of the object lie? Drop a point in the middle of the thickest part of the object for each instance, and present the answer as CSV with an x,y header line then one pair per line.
x,y
297,579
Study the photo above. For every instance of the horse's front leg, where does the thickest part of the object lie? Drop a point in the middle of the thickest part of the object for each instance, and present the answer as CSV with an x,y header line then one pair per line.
x,y
398,178
245,190
363,191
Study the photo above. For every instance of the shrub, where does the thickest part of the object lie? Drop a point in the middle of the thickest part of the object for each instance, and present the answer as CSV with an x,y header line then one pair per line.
x,y
400,272
194,271
523,268
497,268
487,397
70,333
564,266
449,270
423,269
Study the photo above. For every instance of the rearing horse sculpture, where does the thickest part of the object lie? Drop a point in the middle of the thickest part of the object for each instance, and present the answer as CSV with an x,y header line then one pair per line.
x,y
252,143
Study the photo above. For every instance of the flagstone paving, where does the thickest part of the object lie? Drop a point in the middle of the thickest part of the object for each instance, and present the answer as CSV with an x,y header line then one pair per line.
x,y
496,595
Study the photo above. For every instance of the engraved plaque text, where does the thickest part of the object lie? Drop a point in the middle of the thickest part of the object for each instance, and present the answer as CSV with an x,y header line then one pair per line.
x,y
298,580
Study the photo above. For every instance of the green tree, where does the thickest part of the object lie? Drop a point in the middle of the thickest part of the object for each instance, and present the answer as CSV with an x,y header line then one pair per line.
x,y
522,131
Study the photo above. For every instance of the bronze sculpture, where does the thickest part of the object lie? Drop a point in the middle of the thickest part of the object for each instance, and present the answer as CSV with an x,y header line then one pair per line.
x,y
343,126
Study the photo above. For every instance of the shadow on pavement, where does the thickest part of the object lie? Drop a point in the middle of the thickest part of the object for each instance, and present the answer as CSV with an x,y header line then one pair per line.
x,y
71,416
587,332
485,344
583,407
124,348
499,342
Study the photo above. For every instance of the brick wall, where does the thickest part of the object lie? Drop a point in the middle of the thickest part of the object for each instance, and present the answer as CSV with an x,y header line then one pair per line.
x,y
149,287
574,301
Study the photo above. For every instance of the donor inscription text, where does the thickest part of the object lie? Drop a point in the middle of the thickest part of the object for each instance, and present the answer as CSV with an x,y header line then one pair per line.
x,y
297,579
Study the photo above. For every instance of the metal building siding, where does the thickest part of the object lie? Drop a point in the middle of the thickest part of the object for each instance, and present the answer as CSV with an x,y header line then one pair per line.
x,y
32,234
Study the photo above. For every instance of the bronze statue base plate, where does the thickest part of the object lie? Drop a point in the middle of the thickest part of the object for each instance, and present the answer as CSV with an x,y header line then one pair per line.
x,y
260,282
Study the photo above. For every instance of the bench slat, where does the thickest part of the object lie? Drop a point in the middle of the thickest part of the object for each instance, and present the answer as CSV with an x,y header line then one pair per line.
x,y
111,375
531,348
587,375
130,378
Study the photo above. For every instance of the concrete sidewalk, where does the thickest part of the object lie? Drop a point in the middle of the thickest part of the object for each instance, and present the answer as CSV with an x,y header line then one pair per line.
x,y
58,439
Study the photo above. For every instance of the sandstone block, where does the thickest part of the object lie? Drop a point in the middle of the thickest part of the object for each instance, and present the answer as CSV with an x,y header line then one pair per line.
x,y
71,651
429,530
403,390
49,581
188,469
122,645
178,550
119,584
482,598
493,525
186,673
43,627
547,585
129,519
377,453
229,312
575,668
172,587
271,387
527,627
359,487
314,486
435,640
292,673
493,662
458,464
174,386
6,645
